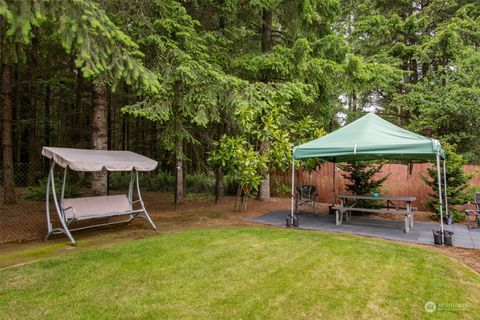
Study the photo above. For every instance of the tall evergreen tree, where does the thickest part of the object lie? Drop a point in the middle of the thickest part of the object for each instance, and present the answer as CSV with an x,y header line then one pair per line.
x,y
102,52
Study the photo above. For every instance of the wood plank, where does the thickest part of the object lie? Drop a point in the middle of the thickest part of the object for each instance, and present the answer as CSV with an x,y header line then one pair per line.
x,y
404,212
358,197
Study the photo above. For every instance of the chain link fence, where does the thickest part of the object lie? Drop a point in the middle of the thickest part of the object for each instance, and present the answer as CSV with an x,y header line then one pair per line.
x,y
25,218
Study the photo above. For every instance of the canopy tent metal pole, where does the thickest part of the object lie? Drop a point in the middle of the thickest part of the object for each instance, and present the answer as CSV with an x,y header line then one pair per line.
x,y
334,187
445,186
440,200
293,185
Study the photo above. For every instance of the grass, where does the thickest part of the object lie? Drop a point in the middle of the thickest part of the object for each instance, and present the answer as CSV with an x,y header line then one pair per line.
x,y
248,273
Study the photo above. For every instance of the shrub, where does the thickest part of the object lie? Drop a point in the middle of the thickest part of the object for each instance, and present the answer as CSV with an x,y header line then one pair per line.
x,y
118,180
37,192
282,190
160,181
201,183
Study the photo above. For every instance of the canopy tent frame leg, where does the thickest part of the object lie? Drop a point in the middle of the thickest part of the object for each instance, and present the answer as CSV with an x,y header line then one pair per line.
x,y
293,186
440,198
334,191
334,187
445,186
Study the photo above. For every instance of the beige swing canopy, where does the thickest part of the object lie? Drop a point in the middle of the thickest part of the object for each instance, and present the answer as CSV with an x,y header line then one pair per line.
x,y
97,160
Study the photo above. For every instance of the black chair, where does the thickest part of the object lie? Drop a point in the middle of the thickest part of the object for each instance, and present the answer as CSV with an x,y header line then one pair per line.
x,y
474,214
306,195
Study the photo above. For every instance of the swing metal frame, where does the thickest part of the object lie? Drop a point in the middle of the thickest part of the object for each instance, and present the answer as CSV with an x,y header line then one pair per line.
x,y
67,214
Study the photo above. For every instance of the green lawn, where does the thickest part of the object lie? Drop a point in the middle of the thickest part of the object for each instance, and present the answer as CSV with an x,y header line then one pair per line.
x,y
247,273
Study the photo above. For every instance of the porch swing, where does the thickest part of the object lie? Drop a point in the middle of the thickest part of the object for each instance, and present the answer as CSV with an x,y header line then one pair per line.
x,y
87,208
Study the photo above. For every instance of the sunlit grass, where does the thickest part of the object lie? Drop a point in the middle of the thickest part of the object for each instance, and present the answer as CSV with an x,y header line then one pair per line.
x,y
248,273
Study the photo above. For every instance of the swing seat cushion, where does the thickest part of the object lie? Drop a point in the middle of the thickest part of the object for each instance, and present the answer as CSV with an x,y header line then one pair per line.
x,y
96,207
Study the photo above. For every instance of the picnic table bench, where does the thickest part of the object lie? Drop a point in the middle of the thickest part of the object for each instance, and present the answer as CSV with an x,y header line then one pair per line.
x,y
388,206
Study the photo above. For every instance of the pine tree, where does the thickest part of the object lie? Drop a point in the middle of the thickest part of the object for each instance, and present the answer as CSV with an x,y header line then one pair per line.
x,y
102,52
360,176
457,183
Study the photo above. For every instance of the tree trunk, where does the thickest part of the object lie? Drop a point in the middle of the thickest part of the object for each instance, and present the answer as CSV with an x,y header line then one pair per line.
x,y
267,44
8,179
33,136
179,187
179,153
99,134
17,114
124,129
354,101
46,125
78,135
264,190
219,185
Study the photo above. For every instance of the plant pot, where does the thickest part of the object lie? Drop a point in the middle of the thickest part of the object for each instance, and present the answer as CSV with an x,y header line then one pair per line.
x,y
437,237
295,221
448,238
289,222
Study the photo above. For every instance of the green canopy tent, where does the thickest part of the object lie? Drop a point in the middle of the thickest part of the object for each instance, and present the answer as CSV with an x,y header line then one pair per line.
x,y
370,138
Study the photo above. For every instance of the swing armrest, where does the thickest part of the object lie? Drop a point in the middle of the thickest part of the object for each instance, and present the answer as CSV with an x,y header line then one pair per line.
x,y
314,197
73,210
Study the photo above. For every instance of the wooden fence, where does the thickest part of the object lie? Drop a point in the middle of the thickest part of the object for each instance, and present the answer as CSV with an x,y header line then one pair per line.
x,y
399,183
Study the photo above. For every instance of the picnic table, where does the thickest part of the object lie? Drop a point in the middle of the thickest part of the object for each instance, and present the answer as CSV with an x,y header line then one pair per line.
x,y
349,203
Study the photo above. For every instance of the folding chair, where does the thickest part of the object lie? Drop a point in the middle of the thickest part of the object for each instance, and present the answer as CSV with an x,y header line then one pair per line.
x,y
306,195
474,214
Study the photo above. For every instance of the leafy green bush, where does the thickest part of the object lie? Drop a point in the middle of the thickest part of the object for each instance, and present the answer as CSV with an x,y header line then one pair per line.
x,y
282,190
160,181
119,180
157,181
201,183
37,192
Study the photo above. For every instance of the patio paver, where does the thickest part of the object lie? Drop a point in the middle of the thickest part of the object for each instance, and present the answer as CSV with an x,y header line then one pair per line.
x,y
376,227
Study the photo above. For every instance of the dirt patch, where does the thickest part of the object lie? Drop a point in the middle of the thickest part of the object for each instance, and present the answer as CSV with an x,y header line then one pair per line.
x,y
196,212
469,257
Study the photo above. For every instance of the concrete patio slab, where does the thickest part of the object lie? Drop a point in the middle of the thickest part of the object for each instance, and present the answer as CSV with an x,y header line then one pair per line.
x,y
376,227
